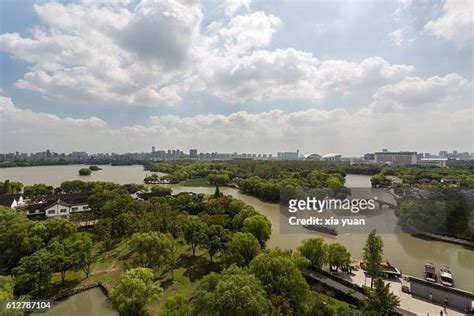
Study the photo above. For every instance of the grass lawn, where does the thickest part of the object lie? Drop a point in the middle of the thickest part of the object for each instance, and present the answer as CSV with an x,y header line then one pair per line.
x,y
196,182
109,265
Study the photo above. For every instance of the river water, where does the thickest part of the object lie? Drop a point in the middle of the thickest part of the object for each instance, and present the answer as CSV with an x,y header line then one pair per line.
x,y
402,250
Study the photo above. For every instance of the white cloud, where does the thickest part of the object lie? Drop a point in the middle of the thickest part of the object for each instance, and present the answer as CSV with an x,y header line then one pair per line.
x,y
456,22
232,6
163,31
246,32
293,74
401,37
415,92
77,53
155,54
312,130
27,119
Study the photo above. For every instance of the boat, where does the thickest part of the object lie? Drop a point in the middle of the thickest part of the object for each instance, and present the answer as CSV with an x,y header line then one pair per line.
x,y
322,229
390,270
430,272
445,276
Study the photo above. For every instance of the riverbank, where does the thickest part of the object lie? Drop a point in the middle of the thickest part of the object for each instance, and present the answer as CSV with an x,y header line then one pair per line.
x,y
416,232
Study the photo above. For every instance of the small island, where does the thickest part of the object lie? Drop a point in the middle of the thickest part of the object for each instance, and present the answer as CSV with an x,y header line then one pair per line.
x,y
94,168
85,172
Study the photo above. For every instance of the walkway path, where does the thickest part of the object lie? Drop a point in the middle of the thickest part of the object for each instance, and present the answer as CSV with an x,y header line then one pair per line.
x,y
407,301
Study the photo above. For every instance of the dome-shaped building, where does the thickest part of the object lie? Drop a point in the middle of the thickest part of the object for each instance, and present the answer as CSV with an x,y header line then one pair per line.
x,y
312,157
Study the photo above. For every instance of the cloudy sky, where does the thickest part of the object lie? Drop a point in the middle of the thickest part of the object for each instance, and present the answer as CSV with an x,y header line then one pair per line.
x,y
263,76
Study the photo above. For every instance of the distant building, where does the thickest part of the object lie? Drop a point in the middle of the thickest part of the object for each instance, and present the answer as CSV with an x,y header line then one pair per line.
x,y
435,162
193,153
288,155
153,149
443,153
399,158
369,156
312,157
331,157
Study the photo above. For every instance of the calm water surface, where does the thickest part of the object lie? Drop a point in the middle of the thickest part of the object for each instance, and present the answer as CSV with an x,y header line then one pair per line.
x,y
403,250
90,302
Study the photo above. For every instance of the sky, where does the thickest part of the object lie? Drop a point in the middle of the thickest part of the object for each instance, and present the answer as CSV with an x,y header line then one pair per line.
x,y
325,76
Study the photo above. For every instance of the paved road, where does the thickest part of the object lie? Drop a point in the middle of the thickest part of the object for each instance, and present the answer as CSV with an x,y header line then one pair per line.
x,y
344,288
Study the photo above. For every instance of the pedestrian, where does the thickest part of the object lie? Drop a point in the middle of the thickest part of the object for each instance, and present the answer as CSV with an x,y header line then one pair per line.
x,y
445,304
431,296
441,312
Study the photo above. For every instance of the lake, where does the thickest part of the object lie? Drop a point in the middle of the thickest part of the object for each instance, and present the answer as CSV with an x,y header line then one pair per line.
x,y
402,250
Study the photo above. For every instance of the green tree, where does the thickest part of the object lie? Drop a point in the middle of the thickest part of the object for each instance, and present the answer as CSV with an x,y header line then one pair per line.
x,y
35,190
218,179
373,251
380,300
194,232
235,292
380,180
338,256
152,249
217,192
177,305
259,226
242,249
282,279
104,232
8,187
34,270
6,288
85,172
315,251
245,212
83,246
161,190
76,186
64,256
19,236
58,227
134,290
216,239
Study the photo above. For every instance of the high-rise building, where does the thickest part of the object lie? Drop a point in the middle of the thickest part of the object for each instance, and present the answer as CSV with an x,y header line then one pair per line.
x,y
153,149
193,153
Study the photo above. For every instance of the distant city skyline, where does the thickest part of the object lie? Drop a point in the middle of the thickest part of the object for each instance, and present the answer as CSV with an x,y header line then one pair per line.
x,y
194,153
319,76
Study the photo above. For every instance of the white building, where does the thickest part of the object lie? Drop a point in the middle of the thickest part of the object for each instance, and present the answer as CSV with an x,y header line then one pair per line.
x,y
399,158
11,200
434,162
331,157
312,157
62,206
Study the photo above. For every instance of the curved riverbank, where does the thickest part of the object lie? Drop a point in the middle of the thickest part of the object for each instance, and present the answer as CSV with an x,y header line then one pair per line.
x,y
417,232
